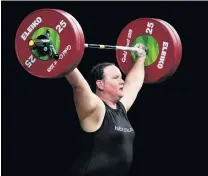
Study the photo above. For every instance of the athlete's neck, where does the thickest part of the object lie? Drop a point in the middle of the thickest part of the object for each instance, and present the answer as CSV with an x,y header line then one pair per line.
x,y
107,99
110,103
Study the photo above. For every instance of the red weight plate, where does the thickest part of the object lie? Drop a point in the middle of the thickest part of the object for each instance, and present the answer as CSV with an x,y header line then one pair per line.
x,y
176,46
79,34
63,36
178,59
162,48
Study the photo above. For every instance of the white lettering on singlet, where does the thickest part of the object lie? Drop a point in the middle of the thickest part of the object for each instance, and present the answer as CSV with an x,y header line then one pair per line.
x,y
118,128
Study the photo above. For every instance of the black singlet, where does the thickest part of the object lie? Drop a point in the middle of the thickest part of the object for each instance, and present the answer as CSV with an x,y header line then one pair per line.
x,y
109,150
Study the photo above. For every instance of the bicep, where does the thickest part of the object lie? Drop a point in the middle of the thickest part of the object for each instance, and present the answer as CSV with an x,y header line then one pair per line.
x,y
85,100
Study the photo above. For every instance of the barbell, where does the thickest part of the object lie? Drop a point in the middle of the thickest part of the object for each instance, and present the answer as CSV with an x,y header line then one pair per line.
x,y
50,43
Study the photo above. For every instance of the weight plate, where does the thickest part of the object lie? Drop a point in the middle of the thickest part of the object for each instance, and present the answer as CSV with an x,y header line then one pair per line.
x,y
179,57
63,39
159,41
80,42
177,48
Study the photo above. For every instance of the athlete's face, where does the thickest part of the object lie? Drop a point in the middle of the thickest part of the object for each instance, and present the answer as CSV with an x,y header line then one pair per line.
x,y
113,83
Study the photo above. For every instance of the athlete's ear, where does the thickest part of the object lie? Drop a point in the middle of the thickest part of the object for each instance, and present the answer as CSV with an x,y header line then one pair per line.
x,y
100,84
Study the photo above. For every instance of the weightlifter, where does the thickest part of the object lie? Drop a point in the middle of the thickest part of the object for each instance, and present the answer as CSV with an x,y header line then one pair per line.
x,y
107,148
56,43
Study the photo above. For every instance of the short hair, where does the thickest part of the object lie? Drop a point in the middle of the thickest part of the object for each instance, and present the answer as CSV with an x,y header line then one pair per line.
x,y
97,73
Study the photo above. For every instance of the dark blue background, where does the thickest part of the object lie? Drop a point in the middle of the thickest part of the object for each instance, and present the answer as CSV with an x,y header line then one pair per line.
x,y
40,129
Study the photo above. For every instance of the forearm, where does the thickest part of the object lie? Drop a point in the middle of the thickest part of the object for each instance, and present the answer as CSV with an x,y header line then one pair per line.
x,y
137,72
76,79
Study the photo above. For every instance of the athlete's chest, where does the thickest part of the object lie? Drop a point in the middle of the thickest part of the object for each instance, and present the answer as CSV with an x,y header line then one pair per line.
x,y
117,127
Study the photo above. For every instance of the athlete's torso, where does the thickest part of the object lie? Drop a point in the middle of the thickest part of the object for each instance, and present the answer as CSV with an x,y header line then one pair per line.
x,y
109,150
